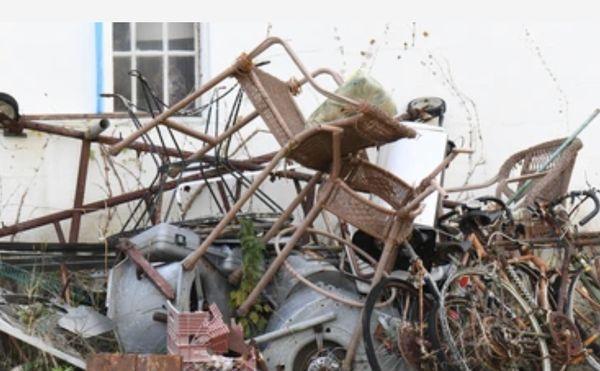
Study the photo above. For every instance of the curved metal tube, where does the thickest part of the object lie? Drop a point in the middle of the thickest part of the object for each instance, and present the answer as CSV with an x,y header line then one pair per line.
x,y
276,40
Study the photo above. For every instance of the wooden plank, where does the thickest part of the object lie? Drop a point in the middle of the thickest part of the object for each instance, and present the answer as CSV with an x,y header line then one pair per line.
x,y
134,362
110,362
159,362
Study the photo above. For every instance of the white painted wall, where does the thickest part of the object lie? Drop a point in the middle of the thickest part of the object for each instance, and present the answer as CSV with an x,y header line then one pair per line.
x,y
49,67
511,84
507,85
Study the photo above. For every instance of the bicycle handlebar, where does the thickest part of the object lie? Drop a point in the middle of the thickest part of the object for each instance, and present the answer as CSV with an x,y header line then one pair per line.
x,y
590,193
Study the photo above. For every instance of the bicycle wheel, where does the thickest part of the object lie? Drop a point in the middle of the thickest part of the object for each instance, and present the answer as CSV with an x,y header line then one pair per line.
x,y
583,308
487,325
391,326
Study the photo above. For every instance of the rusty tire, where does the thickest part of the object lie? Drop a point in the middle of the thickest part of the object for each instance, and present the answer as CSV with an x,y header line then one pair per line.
x,y
593,357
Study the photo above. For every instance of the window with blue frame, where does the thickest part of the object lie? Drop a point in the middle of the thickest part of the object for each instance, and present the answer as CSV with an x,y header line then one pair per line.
x,y
167,55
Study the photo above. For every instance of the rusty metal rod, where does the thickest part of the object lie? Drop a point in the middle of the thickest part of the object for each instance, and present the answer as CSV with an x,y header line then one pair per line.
x,y
285,252
103,139
236,275
336,139
102,204
250,164
81,116
59,232
190,261
201,153
188,131
84,160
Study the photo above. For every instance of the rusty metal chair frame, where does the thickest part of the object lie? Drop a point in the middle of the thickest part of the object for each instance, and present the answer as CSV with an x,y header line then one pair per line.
x,y
547,184
328,148
320,147
331,149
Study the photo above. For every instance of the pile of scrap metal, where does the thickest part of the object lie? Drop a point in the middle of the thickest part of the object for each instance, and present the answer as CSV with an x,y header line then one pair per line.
x,y
242,290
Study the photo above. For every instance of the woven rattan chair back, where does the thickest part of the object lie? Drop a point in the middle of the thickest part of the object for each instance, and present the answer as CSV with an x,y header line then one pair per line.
x,y
273,100
530,161
275,104
364,126
349,205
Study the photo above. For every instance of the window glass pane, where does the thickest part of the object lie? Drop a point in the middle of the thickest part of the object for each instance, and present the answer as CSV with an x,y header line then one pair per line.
x,y
122,81
181,36
121,37
152,69
181,78
148,36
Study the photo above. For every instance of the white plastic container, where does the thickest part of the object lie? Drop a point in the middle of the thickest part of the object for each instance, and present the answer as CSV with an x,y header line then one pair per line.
x,y
413,159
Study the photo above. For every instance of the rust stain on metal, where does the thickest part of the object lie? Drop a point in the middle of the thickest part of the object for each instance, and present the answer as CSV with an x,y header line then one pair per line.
x,y
136,256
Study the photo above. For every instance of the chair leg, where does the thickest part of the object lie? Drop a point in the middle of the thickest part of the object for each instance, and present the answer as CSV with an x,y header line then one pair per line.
x,y
326,191
280,259
353,344
236,275
190,261
387,254
292,206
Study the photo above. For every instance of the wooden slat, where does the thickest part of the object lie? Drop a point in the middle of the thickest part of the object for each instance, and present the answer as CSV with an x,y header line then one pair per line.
x,y
134,362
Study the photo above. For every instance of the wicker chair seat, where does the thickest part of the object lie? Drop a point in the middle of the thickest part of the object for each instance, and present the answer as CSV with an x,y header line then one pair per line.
x,y
273,100
347,202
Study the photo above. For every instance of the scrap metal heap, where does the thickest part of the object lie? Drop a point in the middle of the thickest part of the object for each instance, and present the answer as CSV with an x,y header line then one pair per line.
x,y
345,276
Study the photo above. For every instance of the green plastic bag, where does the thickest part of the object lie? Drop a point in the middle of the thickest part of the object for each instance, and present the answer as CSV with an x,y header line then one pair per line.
x,y
359,87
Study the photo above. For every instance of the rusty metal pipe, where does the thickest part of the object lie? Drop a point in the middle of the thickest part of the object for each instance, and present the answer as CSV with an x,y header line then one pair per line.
x,y
188,131
250,164
291,207
101,205
80,116
175,170
96,129
190,261
84,160
266,278
103,139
